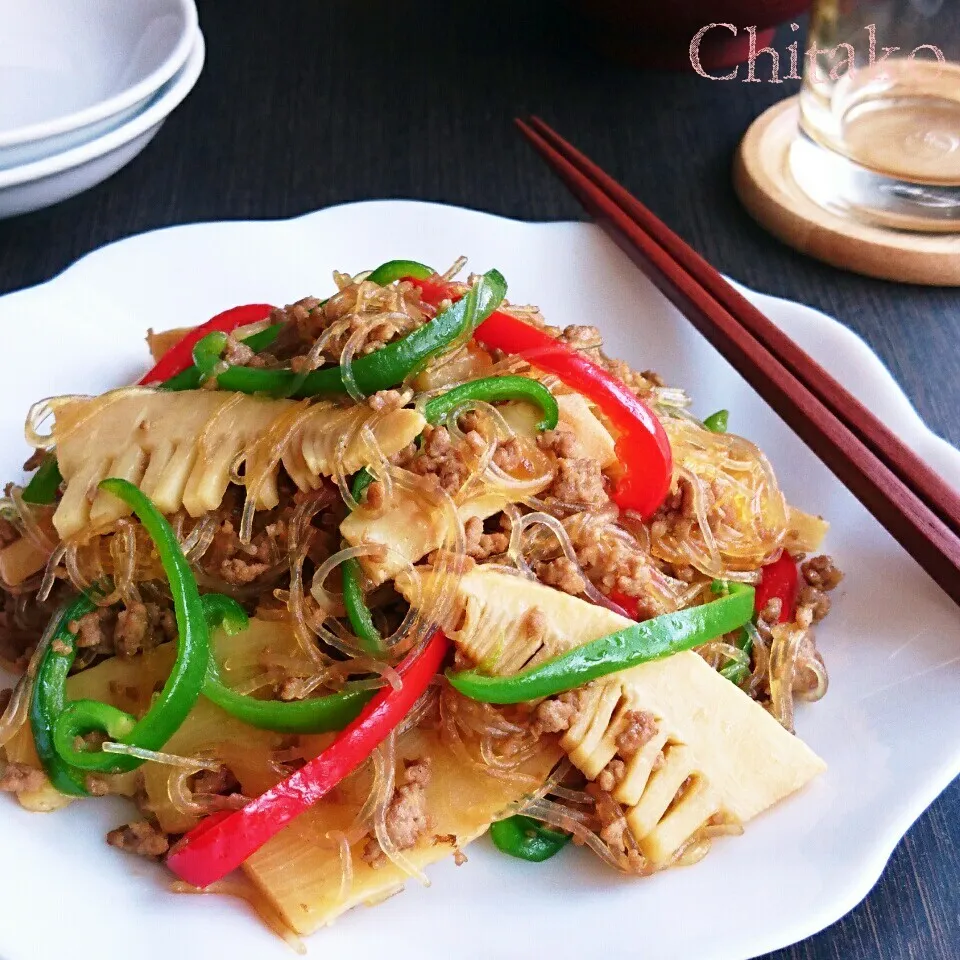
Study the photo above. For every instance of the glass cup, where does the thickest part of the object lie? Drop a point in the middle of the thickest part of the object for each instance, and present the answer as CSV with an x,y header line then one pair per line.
x,y
880,112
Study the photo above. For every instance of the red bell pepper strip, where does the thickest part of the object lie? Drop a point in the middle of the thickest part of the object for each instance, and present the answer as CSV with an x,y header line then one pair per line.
x,y
629,605
220,844
779,581
180,355
643,449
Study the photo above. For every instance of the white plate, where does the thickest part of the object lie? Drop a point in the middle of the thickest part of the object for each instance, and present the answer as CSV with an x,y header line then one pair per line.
x,y
888,727
70,70
48,181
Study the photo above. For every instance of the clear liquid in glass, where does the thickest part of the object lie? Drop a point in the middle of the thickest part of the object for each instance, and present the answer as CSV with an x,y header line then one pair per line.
x,y
881,140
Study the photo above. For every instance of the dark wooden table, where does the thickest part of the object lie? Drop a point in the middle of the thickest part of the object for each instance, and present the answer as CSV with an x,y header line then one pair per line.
x,y
308,103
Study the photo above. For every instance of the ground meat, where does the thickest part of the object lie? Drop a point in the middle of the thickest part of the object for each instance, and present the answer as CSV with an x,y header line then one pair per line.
x,y
237,353
509,455
221,780
555,716
581,337
563,574
139,627
21,778
96,785
405,457
480,545
771,611
455,562
579,480
304,319
441,458
561,441
611,775
90,630
238,563
821,572
816,600
375,496
406,815
132,626
140,837
23,620
417,771
681,571
614,562
641,727
385,400
378,334
677,516
355,306
612,828
373,854
219,788
640,383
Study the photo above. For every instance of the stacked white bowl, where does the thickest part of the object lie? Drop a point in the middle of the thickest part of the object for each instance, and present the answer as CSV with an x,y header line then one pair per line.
x,y
84,86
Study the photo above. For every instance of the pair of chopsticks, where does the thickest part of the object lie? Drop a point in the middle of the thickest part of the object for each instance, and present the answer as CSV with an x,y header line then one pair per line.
x,y
916,505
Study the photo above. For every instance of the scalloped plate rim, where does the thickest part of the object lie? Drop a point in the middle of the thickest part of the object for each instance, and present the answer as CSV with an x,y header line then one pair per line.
x,y
908,420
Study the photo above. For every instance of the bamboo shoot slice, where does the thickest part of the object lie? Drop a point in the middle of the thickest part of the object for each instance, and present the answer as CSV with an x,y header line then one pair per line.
x,y
299,869
506,622
182,446
591,439
733,757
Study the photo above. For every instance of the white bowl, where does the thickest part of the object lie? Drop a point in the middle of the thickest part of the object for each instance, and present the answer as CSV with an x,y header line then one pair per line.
x,y
48,181
70,70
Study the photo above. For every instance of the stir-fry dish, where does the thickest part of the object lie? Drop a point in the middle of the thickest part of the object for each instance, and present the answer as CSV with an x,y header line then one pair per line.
x,y
338,587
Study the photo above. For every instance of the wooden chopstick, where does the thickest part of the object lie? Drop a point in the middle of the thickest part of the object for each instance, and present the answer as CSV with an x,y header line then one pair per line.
x,y
918,475
913,522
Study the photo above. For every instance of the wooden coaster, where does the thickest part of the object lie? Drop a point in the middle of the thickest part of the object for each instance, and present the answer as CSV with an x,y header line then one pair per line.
x,y
763,181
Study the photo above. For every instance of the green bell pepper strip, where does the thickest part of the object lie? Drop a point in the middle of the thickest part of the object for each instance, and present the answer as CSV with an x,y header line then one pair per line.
x,y
380,370
394,270
493,389
526,839
182,688
778,581
386,273
192,378
47,699
358,613
639,643
317,715
44,484
206,354
224,613
717,422
735,671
